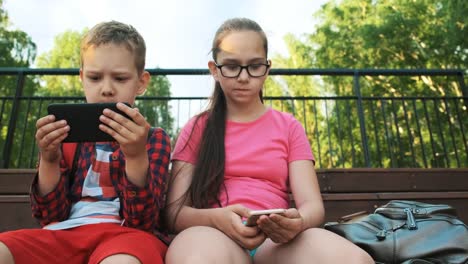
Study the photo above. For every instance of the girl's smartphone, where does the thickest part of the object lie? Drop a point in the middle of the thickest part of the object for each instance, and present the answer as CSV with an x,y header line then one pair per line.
x,y
83,119
254,215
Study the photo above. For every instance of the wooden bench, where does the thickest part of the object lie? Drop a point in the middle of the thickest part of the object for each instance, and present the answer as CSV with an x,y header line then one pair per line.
x,y
344,191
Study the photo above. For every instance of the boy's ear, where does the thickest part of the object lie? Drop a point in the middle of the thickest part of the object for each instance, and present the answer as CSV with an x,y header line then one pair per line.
x,y
213,70
145,78
81,74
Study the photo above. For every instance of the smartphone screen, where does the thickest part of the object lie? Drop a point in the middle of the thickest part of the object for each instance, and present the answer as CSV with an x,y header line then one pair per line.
x,y
83,119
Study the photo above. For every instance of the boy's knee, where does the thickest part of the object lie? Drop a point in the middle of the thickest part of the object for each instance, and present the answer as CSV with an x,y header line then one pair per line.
x,y
5,254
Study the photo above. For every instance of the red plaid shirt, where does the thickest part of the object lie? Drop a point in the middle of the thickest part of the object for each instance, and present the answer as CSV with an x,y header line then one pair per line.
x,y
139,207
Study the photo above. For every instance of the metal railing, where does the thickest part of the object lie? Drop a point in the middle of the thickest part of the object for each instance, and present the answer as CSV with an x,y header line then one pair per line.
x,y
344,131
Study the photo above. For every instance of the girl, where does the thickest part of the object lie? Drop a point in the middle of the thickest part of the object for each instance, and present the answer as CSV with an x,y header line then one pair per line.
x,y
240,155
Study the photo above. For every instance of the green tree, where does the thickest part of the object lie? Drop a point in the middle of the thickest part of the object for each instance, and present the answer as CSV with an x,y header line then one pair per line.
x,y
395,34
64,54
16,47
17,50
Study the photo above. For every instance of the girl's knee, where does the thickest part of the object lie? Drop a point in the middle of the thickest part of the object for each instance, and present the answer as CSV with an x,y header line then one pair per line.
x,y
205,245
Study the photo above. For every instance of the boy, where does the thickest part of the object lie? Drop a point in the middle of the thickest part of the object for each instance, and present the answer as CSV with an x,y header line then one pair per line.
x,y
108,210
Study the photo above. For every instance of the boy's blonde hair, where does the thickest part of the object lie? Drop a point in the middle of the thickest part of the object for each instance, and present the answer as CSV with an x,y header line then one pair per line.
x,y
114,32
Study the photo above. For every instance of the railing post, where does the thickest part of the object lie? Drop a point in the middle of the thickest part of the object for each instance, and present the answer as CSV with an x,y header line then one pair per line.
x,y
464,90
13,118
362,124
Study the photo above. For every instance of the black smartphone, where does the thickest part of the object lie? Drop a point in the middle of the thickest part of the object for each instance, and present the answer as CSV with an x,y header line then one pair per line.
x,y
83,119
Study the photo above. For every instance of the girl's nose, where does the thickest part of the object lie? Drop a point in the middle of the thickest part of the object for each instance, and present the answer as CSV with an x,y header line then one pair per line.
x,y
243,75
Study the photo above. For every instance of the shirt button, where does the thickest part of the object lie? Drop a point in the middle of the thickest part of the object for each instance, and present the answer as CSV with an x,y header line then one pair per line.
x,y
131,194
114,157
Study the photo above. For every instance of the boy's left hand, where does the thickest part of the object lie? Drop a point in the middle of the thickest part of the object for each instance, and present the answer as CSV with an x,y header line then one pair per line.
x,y
130,133
282,229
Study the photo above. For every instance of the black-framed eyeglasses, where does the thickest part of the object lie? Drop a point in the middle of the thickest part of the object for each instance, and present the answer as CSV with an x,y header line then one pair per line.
x,y
234,70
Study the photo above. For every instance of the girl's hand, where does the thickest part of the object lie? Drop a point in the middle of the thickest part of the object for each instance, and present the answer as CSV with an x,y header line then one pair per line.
x,y
131,133
230,222
282,229
49,136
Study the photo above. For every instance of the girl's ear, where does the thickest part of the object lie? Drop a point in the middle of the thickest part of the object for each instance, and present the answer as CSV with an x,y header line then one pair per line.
x,y
269,63
213,70
81,74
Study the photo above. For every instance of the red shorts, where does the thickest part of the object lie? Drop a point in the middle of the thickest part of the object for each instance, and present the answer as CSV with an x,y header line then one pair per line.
x,y
84,244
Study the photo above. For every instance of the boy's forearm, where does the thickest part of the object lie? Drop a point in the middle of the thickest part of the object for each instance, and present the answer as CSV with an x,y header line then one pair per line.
x,y
49,177
137,170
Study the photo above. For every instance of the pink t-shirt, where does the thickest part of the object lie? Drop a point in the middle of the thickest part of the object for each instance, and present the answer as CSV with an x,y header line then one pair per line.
x,y
257,157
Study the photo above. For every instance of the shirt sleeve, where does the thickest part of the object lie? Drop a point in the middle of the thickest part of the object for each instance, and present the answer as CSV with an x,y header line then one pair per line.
x,y
54,206
299,146
141,206
186,147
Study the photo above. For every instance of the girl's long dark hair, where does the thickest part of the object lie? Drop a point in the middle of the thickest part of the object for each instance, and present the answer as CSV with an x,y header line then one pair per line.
x,y
208,175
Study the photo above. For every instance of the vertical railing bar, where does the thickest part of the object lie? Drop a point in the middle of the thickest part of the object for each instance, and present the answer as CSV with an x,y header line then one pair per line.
x,y
377,141
434,150
304,112
178,114
2,110
462,130
362,123
387,134
397,130
452,135
464,90
340,139
293,105
317,134
330,149
441,133
350,130
33,147
410,134
419,133
25,126
13,118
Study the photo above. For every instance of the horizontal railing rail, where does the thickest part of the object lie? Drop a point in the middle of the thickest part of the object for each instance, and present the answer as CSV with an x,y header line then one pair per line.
x,y
345,131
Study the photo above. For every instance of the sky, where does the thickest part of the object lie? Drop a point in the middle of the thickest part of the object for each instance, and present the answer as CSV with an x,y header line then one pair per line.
x,y
178,33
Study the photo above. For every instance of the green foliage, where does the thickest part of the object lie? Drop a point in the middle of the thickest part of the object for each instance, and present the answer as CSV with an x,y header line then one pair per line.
x,y
155,106
16,46
392,34
386,34
64,54
17,50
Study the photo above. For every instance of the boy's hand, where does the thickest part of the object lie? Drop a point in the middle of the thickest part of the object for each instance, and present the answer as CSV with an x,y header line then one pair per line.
x,y
49,136
130,133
